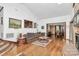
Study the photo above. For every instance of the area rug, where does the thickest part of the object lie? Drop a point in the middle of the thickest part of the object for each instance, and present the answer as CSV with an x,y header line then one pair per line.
x,y
42,44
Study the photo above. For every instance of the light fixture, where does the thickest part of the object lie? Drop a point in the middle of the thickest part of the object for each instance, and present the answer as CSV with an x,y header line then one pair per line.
x,y
59,3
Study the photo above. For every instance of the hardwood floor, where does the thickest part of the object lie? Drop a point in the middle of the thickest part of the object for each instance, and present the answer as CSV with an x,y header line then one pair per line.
x,y
54,48
5,46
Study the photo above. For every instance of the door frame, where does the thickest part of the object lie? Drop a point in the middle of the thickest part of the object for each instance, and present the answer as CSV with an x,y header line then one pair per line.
x,y
64,23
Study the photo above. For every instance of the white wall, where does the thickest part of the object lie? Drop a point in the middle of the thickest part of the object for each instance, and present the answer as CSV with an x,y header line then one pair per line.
x,y
66,19
1,26
17,11
21,12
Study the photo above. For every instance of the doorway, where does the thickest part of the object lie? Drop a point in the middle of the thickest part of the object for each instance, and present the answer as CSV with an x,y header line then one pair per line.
x,y
56,30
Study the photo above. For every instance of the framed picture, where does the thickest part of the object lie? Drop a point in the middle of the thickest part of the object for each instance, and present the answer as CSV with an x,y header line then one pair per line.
x,y
15,23
1,20
28,24
35,25
42,27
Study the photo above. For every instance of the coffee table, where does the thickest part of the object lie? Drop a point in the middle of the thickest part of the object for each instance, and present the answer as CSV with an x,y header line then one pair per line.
x,y
43,39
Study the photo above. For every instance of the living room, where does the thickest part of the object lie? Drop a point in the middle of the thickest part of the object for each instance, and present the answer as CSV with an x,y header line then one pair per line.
x,y
16,12
20,22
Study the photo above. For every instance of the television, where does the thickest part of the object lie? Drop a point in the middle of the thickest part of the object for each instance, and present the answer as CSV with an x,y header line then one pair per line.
x,y
15,23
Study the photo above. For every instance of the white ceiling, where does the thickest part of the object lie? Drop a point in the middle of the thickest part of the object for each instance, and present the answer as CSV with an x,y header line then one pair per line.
x,y
48,10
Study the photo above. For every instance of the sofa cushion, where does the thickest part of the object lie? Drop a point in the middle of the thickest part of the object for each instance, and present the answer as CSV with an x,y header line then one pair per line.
x,y
31,36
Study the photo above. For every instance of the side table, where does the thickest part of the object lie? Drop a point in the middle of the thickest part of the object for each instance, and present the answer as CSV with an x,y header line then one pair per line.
x,y
21,41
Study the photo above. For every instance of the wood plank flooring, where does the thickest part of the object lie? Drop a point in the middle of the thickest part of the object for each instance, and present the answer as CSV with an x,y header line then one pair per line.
x,y
5,46
54,48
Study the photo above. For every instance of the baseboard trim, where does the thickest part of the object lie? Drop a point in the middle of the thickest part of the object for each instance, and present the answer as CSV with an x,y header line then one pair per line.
x,y
8,41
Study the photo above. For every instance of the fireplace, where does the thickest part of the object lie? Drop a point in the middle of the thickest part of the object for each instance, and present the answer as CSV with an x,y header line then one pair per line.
x,y
77,41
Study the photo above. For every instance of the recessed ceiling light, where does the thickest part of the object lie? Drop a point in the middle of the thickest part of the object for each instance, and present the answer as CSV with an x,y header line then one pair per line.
x,y
59,3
